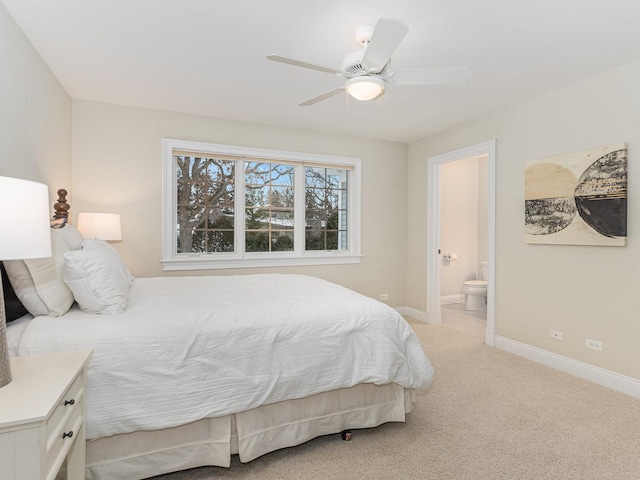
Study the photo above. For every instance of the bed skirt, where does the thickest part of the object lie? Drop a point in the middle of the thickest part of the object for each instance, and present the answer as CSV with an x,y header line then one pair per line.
x,y
250,434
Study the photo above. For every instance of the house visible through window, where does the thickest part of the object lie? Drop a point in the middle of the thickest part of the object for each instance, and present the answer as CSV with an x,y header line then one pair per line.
x,y
227,207
269,203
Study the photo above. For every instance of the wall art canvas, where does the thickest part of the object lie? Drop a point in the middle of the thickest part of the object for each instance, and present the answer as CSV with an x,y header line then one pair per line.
x,y
578,198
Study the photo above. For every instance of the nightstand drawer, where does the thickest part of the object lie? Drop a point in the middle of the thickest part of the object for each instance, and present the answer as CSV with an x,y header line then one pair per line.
x,y
70,403
64,441
47,402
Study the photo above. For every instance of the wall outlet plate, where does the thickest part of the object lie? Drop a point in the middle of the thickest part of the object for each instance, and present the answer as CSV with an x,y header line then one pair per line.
x,y
384,296
557,334
594,344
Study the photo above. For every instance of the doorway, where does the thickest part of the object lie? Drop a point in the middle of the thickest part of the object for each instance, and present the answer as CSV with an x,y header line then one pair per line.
x,y
434,226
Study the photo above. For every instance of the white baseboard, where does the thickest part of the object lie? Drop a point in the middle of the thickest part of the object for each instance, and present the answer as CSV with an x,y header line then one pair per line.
x,y
600,376
451,299
413,313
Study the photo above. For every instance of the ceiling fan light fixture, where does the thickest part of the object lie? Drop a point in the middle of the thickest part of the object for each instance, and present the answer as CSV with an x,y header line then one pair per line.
x,y
364,87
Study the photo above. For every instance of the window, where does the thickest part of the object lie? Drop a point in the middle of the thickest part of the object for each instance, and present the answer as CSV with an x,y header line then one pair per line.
x,y
230,207
325,208
204,203
269,205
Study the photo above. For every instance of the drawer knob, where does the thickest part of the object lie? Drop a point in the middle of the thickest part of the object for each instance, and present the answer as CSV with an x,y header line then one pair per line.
x,y
69,402
69,435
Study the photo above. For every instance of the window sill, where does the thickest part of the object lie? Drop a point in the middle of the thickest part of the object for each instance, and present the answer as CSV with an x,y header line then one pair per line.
x,y
204,262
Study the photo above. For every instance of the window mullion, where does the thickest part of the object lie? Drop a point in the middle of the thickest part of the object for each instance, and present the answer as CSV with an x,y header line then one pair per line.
x,y
240,207
299,212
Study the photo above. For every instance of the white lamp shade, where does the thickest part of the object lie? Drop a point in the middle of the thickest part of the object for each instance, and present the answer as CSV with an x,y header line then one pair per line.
x,y
364,87
25,231
105,226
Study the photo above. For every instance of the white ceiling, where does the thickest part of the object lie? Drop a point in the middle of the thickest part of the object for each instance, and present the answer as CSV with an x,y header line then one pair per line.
x,y
207,57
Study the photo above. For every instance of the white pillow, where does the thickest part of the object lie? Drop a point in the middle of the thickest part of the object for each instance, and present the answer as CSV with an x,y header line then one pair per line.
x,y
70,235
97,244
96,281
38,282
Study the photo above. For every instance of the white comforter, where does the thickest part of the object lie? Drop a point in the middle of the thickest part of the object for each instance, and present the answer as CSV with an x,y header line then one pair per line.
x,y
187,348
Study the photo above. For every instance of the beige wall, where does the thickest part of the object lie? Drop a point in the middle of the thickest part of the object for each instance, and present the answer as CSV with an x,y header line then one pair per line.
x,y
35,113
586,292
582,291
117,168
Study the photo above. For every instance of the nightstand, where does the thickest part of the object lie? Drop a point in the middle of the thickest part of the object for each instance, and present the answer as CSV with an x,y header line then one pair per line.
x,y
42,414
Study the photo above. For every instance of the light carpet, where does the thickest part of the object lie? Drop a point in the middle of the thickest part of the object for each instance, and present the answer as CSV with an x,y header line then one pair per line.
x,y
487,415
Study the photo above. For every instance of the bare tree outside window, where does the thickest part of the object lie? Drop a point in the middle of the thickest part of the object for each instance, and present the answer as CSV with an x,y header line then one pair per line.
x,y
235,208
205,204
325,208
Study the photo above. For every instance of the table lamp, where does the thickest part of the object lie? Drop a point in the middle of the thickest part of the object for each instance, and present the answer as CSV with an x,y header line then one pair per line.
x,y
105,226
24,234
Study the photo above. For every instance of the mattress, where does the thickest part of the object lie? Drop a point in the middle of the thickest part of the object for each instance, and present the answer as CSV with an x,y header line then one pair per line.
x,y
192,348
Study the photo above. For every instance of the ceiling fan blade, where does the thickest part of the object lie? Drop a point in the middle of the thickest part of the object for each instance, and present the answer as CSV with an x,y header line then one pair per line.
x,y
432,76
299,63
385,40
324,96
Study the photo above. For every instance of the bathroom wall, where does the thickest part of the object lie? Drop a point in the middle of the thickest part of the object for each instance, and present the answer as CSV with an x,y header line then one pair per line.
x,y
483,210
463,224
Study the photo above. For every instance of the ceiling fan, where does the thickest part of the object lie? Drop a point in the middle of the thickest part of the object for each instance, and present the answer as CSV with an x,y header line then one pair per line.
x,y
367,70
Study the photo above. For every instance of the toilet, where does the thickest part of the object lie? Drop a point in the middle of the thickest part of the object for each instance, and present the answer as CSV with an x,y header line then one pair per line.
x,y
476,291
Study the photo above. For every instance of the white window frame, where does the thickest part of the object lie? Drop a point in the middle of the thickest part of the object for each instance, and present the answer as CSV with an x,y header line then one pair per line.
x,y
172,260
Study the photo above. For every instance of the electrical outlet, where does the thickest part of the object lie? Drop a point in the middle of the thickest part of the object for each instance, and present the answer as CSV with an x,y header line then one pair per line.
x,y
594,344
384,296
558,335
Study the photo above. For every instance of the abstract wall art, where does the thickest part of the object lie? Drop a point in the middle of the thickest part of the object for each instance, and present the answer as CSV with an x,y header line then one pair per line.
x,y
578,198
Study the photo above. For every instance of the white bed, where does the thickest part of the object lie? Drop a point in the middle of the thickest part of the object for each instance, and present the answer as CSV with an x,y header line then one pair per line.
x,y
196,369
